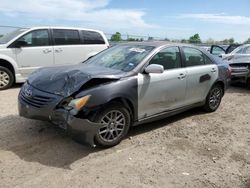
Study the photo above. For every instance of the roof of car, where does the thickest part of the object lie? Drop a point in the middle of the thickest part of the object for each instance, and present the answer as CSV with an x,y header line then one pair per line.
x,y
58,27
158,43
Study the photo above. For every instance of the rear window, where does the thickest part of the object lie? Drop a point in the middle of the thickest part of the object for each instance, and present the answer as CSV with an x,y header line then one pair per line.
x,y
92,37
66,37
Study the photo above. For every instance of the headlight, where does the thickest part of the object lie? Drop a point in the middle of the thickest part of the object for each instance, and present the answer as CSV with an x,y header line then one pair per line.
x,y
79,103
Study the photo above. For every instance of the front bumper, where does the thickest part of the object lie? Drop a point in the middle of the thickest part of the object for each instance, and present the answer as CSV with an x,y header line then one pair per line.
x,y
61,117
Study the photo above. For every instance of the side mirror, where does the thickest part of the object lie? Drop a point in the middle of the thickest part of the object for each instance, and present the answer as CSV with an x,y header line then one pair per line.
x,y
154,68
20,43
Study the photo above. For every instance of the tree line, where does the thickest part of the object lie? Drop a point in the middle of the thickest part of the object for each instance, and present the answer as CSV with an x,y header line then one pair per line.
x,y
194,39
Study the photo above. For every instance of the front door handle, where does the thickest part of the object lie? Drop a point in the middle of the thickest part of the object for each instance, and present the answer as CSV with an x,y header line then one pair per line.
x,y
181,76
46,51
58,50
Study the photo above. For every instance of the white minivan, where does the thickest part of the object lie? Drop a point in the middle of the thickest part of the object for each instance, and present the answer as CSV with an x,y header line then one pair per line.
x,y
25,50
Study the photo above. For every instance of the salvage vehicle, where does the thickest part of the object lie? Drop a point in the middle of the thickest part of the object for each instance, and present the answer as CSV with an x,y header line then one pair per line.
x,y
220,50
27,49
123,86
239,61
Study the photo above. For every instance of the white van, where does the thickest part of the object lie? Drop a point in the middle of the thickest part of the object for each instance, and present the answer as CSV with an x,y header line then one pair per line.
x,y
25,50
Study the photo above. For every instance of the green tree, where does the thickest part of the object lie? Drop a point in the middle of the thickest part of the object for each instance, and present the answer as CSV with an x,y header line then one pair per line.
x,y
150,38
167,39
131,39
116,37
231,40
247,41
184,41
195,39
1,36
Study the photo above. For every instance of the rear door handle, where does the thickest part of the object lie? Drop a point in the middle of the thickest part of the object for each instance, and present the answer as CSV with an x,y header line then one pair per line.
x,y
181,76
46,51
213,70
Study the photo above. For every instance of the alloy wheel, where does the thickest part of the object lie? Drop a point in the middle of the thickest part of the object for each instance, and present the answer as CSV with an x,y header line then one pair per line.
x,y
114,123
4,79
215,98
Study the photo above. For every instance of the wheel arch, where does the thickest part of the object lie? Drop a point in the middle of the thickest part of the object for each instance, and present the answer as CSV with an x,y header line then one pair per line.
x,y
8,65
221,83
127,103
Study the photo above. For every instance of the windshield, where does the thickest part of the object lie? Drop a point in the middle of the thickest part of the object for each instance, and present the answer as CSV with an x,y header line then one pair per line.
x,y
121,57
9,36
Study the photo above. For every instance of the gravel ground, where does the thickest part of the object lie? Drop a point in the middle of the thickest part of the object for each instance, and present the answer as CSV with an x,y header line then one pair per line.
x,y
193,149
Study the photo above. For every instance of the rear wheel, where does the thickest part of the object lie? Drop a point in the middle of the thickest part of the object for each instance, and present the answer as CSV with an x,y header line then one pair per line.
x,y
6,78
116,121
213,99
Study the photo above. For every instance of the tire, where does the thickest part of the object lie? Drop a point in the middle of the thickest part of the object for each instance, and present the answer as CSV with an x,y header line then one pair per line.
x,y
213,98
248,83
117,129
6,78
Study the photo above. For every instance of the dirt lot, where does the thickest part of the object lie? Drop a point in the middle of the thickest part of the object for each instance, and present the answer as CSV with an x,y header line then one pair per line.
x,y
193,149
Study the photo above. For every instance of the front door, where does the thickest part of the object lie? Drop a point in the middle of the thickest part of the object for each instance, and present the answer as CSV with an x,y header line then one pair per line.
x,y
160,92
36,52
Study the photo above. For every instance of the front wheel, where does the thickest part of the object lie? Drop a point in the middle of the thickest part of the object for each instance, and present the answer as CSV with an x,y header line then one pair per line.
x,y
213,99
6,78
116,120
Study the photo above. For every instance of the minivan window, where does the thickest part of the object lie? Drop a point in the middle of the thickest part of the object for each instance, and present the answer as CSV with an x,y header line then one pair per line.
x,y
36,38
66,37
169,58
92,37
9,36
193,57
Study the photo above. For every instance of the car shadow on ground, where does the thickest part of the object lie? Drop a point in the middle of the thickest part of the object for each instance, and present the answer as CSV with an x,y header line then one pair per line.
x,y
41,142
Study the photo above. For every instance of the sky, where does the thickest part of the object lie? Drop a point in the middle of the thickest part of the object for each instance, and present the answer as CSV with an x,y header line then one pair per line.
x,y
173,19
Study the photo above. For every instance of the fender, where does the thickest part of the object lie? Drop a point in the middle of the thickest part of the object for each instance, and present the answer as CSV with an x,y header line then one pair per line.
x,y
10,60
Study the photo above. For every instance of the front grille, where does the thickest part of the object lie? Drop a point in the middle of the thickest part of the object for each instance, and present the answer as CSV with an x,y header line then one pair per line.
x,y
35,100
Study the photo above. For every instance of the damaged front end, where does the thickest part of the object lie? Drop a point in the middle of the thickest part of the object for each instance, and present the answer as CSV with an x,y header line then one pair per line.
x,y
69,113
76,126
65,96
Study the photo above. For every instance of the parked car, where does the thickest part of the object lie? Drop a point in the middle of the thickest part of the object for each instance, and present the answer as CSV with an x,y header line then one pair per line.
x,y
220,50
25,50
124,86
239,61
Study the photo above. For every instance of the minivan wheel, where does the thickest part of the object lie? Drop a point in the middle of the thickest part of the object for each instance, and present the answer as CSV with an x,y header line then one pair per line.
x,y
213,99
6,78
116,122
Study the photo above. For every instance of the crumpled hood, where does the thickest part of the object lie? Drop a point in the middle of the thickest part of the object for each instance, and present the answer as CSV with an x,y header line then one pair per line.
x,y
66,80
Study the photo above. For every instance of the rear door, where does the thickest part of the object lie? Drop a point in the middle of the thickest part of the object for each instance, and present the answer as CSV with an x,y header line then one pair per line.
x,y
163,91
68,48
201,74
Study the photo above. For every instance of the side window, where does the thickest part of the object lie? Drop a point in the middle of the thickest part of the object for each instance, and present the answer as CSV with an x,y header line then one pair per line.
x,y
247,50
216,50
207,60
35,38
91,37
169,58
193,57
66,37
